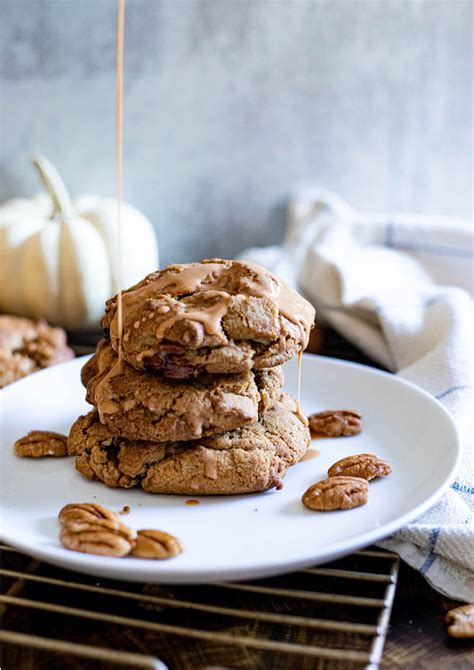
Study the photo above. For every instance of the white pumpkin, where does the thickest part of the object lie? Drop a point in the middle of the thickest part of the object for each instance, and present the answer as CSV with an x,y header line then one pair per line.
x,y
59,258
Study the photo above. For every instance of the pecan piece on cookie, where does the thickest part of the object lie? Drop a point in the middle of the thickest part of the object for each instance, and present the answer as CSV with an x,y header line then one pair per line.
x,y
336,423
461,621
79,517
336,493
95,540
156,544
39,443
367,466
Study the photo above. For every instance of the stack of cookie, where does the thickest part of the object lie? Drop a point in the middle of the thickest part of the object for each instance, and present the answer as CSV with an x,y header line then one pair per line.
x,y
188,393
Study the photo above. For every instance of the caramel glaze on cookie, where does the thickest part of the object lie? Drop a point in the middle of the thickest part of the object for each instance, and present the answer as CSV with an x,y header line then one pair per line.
x,y
217,316
249,459
143,405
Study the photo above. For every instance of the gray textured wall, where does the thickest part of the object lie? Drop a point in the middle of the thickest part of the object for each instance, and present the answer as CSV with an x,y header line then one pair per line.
x,y
231,104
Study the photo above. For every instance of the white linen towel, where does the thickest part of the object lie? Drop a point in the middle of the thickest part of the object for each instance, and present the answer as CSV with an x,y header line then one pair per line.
x,y
400,288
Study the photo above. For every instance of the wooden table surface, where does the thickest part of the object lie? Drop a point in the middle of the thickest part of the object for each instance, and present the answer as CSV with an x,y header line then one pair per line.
x,y
417,638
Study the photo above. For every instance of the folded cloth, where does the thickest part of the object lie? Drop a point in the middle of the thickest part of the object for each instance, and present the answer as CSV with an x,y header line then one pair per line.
x,y
400,288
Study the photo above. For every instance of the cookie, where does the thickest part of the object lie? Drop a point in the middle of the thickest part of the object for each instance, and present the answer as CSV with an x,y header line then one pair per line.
x,y
249,459
27,346
143,405
217,316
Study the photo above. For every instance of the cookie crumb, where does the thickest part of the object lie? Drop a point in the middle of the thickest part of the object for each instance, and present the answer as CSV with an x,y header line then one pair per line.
x,y
311,453
125,510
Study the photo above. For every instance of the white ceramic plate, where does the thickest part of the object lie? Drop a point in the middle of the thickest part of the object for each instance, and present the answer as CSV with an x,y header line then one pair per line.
x,y
234,537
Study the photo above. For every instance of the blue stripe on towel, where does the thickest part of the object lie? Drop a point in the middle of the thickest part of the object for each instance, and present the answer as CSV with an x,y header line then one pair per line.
x,y
424,249
432,556
462,488
389,234
452,390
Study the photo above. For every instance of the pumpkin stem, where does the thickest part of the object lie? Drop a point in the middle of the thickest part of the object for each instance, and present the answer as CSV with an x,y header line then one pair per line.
x,y
55,187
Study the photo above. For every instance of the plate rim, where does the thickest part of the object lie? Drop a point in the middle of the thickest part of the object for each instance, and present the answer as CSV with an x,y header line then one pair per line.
x,y
141,570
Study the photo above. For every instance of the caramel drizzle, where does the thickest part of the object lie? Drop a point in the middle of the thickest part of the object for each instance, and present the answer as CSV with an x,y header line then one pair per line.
x,y
210,317
209,459
290,303
310,453
105,405
120,35
298,411
190,279
299,381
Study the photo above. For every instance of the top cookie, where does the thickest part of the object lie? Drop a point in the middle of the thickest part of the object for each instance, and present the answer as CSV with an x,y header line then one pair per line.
x,y
217,316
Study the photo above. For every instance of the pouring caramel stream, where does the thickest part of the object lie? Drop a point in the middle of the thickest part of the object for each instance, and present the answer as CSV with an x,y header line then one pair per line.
x,y
105,405
120,34
298,412
290,304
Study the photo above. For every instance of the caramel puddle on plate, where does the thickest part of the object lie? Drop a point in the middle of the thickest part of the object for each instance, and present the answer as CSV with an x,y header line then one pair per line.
x,y
318,436
311,453
192,502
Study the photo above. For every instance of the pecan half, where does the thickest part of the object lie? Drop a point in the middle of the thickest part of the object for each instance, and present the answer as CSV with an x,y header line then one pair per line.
x,y
39,443
156,544
336,423
94,529
367,466
336,493
79,517
95,540
91,512
461,620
